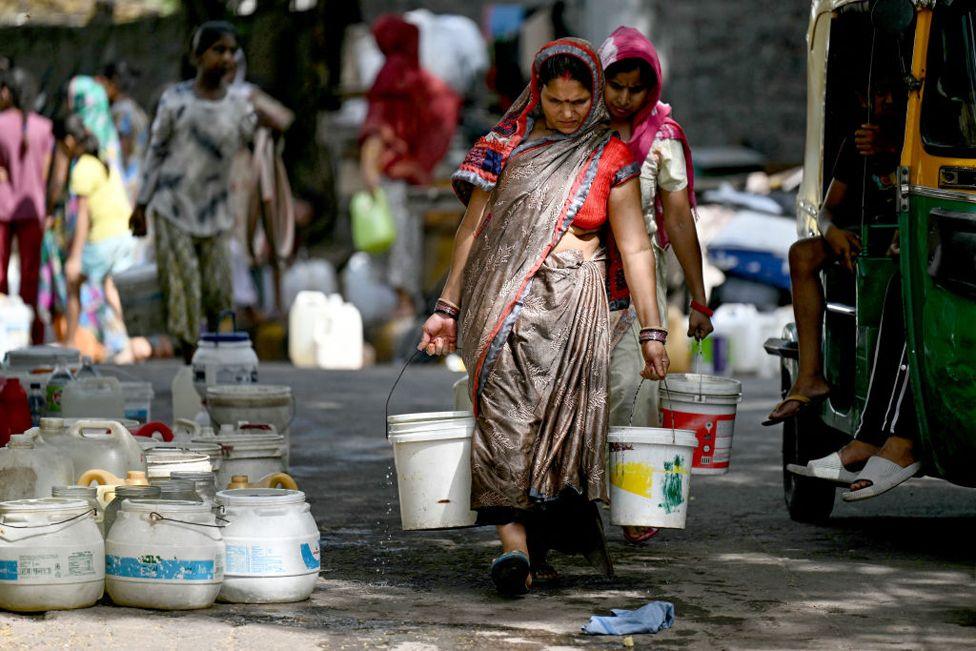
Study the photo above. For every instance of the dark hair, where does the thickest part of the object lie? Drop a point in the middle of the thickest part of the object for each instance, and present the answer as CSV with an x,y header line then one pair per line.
x,y
121,74
74,126
565,65
20,85
624,66
209,33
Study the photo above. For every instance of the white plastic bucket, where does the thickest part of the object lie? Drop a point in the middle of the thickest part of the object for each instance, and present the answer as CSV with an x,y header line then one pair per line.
x,y
160,462
167,555
706,405
432,453
253,454
138,401
224,358
51,555
272,546
230,404
650,476
143,309
93,397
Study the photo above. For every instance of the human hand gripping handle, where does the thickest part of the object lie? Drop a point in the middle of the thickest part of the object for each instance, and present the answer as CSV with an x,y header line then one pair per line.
x,y
656,360
439,335
700,321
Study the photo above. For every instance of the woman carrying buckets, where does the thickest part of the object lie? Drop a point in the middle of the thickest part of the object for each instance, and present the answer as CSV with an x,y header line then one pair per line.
x,y
633,94
553,220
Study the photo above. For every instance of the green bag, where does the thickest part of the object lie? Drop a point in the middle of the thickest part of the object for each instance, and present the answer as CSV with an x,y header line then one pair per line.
x,y
373,228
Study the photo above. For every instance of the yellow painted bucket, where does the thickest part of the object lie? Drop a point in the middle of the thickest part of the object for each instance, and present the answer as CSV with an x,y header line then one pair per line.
x,y
650,476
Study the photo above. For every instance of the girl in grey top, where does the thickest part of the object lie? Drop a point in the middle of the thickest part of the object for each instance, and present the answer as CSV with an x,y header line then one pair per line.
x,y
199,127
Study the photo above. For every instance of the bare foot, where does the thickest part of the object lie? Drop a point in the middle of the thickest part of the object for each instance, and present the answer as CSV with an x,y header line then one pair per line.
x,y
856,453
896,449
639,535
814,388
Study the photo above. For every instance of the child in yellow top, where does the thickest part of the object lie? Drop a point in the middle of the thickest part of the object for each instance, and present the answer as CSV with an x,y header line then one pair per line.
x,y
101,245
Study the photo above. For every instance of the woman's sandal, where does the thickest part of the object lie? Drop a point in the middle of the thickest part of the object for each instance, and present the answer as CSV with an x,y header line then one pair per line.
x,y
639,535
544,574
509,572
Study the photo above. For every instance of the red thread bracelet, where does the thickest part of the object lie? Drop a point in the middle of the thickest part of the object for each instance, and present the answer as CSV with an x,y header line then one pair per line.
x,y
703,309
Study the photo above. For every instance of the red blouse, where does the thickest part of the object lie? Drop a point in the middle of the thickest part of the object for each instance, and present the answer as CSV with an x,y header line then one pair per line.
x,y
616,166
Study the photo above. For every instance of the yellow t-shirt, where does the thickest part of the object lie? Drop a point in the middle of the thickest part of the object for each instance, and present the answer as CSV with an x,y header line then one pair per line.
x,y
108,204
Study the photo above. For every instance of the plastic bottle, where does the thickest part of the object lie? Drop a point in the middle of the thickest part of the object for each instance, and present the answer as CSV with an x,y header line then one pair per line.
x,y
59,380
37,404
87,369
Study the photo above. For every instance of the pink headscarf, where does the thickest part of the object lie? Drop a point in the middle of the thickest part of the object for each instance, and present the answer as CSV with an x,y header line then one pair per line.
x,y
653,121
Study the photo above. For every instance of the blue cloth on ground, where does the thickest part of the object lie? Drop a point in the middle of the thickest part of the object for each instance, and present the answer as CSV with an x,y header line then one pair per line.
x,y
650,618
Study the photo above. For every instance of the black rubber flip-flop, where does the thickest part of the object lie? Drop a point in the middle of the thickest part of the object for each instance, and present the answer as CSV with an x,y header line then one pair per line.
x,y
509,573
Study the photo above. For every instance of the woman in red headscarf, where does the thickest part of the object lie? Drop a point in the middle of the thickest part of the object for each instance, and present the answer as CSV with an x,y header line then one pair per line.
x,y
412,118
534,276
633,94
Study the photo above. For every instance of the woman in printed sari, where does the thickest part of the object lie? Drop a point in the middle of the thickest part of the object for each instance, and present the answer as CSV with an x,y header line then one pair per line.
x,y
548,192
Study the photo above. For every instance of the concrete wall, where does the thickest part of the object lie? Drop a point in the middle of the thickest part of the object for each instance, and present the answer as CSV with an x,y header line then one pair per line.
x,y
736,69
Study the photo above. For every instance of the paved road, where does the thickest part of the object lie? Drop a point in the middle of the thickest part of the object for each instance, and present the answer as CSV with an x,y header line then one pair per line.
x,y
895,572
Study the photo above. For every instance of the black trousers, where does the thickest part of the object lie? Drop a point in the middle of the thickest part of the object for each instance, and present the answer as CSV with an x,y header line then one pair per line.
x,y
890,406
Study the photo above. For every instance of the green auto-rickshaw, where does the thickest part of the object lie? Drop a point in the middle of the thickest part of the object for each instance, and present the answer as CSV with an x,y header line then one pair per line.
x,y
934,43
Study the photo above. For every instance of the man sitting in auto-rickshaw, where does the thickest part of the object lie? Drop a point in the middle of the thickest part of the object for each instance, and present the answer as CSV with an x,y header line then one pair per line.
x,y
870,155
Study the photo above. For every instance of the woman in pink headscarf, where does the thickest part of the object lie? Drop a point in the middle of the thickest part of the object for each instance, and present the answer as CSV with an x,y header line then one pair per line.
x,y
633,95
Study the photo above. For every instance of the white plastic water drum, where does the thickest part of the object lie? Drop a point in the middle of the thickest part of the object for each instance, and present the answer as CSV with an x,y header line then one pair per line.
x,y
650,476
138,401
167,555
706,405
92,443
308,308
254,453
141,296
29,468
253,403
51,555
93,397
272,546
432,452
224,358
161,462
206,446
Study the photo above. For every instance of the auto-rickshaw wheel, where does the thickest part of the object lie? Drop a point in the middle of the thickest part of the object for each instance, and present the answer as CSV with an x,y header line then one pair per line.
x,y
806,437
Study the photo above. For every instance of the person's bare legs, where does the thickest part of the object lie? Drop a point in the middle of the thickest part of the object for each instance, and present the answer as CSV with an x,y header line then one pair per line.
x,y
807,260
514,538
73,312
112,297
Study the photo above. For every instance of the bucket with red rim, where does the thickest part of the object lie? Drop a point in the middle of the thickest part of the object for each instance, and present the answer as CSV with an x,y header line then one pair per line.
x,y
705,405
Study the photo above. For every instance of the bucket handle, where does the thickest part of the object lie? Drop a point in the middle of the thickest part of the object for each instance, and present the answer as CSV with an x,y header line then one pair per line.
x,y
153,427
48,524
700,359
115,428
156,517
633,407
386,420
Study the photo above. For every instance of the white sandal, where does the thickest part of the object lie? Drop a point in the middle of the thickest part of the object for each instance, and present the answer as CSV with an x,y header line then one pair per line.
x,y
829,468
883,475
